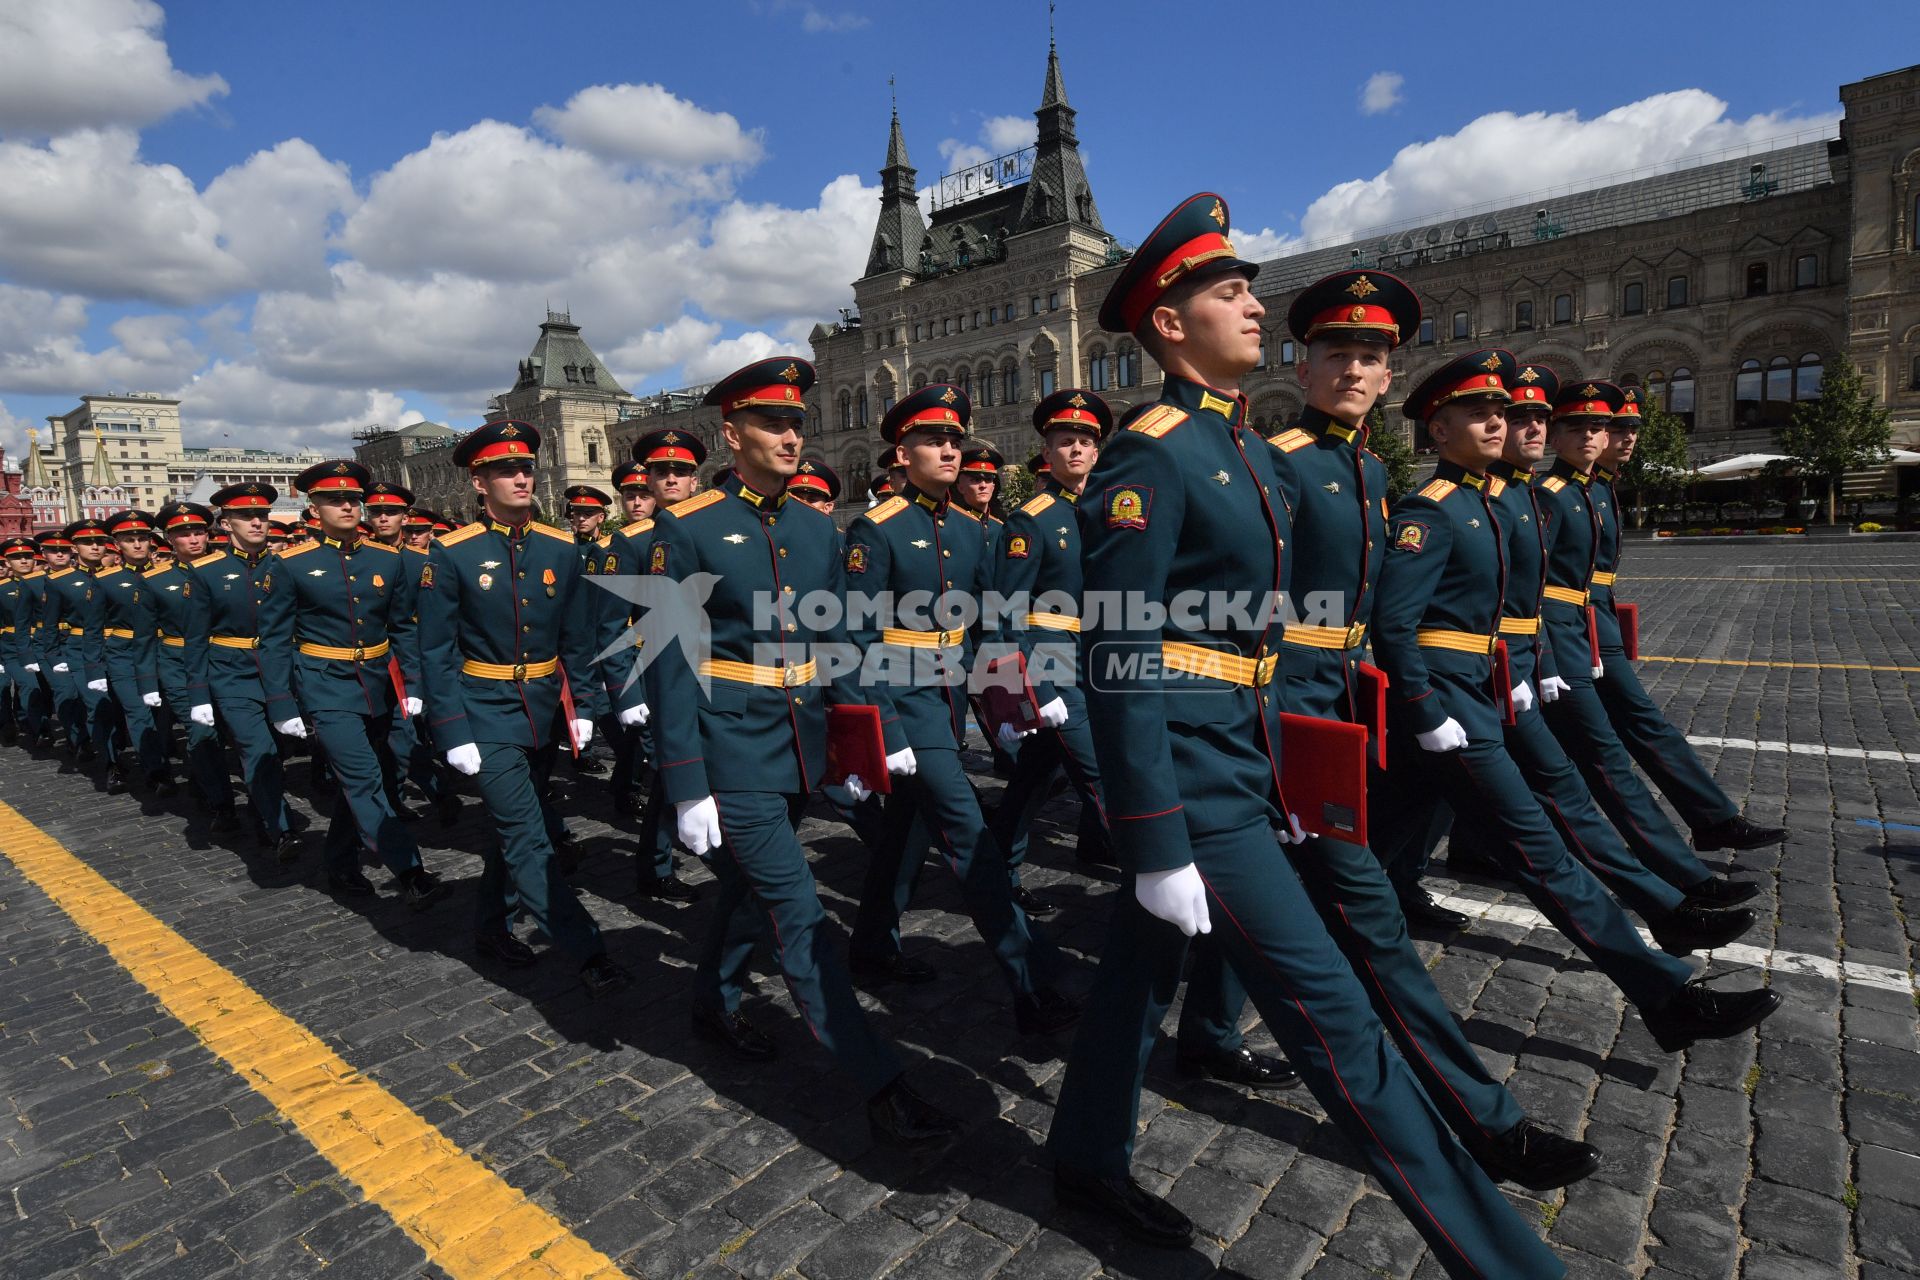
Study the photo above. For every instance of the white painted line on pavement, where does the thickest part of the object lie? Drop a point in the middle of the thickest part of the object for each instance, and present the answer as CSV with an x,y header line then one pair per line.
x,y
1865,975
1807,749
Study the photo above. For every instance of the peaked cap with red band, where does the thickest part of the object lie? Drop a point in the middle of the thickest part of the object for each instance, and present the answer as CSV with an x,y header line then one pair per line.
x,y
179,517
1189,244
131,521
250,494
85,528
586,497
629,475
1534,384
669,444
815,477
418,518
981,459
1038,465
1072,407
1629,405
1356,303
1591,399
501,441
1477,375
776,386
385,493
940,407
16,546
336,475
55,538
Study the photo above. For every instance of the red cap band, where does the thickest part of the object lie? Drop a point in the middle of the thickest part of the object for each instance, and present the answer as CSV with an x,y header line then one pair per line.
x,y
1140,298
1354,317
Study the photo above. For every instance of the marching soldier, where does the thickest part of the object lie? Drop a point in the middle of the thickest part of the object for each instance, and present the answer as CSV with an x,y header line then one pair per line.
x,y
817,485
59,595
1185,723
1437,636
183,685
1659,748
387,506
125,651
505,646
30,566
343,608
880,488
587,509
1583,415
416,530
18,684
72,616
909,544
747,741
973,494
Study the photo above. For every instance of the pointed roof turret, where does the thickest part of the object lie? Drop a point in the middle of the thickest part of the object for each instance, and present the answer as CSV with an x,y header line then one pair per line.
x,y
897,148
1055,93
101,475
1058,191
33,474
901,230
562,360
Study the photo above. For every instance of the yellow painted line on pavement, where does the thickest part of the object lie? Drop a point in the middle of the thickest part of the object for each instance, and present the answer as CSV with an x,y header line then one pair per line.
x,y
1751,581
472,1225
1754,662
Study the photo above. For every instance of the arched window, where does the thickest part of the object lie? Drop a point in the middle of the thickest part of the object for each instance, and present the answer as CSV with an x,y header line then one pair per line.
x,y
1676,291
1459,325
1523,314
1633,299
964,380
1010,383
1913,375
846,412
1756,279
860,407
986,388
1779,380
1130,365
1680,395
1097,370
1806,271
1807,375
1563,308
1749,392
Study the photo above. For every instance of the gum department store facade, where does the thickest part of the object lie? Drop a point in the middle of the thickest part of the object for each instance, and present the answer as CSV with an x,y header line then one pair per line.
x,y
1722,289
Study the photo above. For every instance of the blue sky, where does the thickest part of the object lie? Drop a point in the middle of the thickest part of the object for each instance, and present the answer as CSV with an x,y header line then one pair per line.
x,y
304,217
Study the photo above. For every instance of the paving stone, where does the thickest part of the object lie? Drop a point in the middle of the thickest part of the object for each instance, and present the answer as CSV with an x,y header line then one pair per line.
x,y
1802,1222
1602,1220
1274,1248
1889,1232
861,1248
1219,1205
1813,1157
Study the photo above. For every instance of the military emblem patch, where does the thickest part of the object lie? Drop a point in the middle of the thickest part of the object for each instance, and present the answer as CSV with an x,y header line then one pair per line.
x,y
856,559
1127,507
1412,536
1017,547
658,564
379,581
426,578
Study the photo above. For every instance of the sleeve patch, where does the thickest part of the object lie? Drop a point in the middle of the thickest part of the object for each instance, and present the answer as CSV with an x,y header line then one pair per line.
x,y
1127,507
856,559
426,577
1017,547
658,562
1411,535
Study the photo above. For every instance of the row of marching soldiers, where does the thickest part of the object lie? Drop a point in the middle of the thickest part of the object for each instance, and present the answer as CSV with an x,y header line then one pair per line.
x,y
1511,716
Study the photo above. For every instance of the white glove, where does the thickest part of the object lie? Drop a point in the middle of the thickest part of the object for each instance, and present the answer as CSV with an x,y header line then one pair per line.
x,y
465,759
151,699
1296,835
1552,687
1009,736
1448,737
848,793
1522,697
1599,673
699,824
414,705
202,714
98,686
582,734
901,763
633,716
61,667
1054,714
34,667
1179,897
294,728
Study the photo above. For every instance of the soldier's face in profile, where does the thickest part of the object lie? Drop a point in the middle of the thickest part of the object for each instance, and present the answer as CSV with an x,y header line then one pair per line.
x,y
1216,329
1344,377
932,460
1470,433
1526,434
1621,439
1070,455
672,482
506,486
1579,441
814,498
637,501
765,449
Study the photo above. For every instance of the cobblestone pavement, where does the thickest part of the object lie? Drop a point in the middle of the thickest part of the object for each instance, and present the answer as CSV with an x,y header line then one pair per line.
x,y
127,1148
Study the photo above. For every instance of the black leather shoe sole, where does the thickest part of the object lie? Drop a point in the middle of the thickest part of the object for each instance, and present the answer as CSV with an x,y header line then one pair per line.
x,y
1718,891
740,1038
1684,1031
506,949
1259,1071
1737,835
671,889
1721,927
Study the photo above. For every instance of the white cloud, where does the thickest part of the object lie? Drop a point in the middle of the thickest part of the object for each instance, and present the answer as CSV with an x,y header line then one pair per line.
x,y
89,64
12,428
646,124
276,210
241,404
148,351
1476,164
1258,246
1381,93
652,353
765,262
998,136
815,21
725,356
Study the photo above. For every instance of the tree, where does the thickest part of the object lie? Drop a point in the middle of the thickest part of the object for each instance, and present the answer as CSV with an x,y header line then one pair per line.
x,y
1843,430
1016,486
1659,466
1391,447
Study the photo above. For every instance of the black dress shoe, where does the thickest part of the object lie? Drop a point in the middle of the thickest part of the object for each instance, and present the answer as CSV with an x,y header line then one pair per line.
x,y
602,976
285,847
1033,904
1239,1066
1420,908
904,1118
742,1038
1701,1013
668,888
626,803
1126,1204
507,949
161,784
900,967
1536,1158
117,779
1694,926
1044,1013
420,888
350,884
1736,833
1720,891
1464,861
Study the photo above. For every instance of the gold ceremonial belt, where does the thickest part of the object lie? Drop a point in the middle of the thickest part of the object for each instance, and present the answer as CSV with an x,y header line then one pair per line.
x,y
1604,577
766,677
118,633
1195,660
507,670
922,639
1519,626
6,631
1462,641
1053,621
339,653
73,630
1326,637
235,642
173,642
1566,595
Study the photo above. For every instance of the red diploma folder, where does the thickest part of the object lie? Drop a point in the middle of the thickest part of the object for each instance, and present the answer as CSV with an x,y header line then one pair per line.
x,y
1370,698
1593,636
1629,616
1503,681
1006,697
856,747
1324,772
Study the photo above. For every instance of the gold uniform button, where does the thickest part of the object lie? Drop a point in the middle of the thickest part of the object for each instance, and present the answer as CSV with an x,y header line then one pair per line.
x,y
945,552
783,553
788,590
792,627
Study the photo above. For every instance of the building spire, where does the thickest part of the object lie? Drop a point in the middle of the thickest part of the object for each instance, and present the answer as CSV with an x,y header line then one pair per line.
x,y
101,475
1058,191
33,473
901,230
